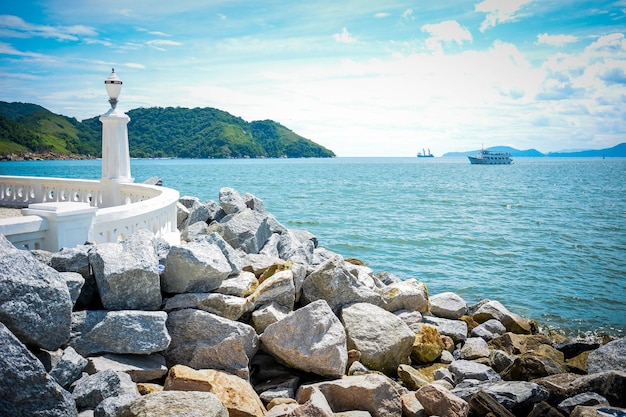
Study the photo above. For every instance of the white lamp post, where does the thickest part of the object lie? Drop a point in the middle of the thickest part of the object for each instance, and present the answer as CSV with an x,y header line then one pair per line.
x,y
115,154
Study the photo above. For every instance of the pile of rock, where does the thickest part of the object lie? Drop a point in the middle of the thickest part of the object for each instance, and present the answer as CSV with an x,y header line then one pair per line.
x,y
249,318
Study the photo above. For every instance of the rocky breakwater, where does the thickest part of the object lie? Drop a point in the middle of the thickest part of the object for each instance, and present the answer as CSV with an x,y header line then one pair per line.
x,y
249,318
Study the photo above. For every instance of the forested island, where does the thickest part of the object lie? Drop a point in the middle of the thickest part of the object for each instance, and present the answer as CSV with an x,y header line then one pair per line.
x,y
156,132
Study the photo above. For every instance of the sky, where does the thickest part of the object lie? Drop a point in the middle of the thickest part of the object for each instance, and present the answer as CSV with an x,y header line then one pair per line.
x,y
360,77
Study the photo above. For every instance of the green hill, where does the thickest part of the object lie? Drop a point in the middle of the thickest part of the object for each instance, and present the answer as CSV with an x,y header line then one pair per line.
x,y
153,132
512,151
615,151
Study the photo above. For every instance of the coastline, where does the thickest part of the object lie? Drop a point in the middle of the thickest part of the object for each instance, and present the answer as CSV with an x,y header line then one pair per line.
x,y
46,156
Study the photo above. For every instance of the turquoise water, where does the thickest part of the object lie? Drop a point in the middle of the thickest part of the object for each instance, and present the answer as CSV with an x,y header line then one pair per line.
x,y
545,236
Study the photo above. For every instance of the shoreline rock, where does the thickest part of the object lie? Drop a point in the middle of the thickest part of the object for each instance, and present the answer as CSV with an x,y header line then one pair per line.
x,y
270,323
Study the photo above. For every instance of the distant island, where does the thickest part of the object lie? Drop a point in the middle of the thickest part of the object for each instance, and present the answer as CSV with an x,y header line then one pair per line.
x,y
615,151
29,131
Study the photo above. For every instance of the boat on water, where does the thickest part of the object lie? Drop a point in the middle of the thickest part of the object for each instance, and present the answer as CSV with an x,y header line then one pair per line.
x,y
423,154
485,157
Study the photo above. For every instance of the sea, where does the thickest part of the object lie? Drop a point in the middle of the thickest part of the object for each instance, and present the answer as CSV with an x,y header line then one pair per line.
x,y
544,236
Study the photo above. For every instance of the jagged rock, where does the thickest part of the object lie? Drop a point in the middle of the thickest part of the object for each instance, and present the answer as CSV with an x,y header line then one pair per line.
x,y
268,314
413,319
372,392
516,344
198,266
439,402
92,390
610,384
443,374
234,392
462,369
284,387
109,406
239,285
578,364
611,356
448,305
383,339
195,231
500,360
253,202
175,404
313,403
231,201
74,259
127,273
198,212
530,365
140,368
406,295
226,306
517,396
333,282
279,288
232,256
182,213
247,230
129,331
412,378
574,348
74,282
543,409
69,368
456,329
427,345
204,340
495,310
35,302
25,388
411,407
585,398
474,348
488,330
146,388
311,339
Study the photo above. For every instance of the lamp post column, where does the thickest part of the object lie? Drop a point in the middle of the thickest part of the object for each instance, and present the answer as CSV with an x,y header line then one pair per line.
x,y
115,152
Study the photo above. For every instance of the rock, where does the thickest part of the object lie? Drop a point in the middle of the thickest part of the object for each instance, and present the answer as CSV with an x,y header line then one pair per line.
x,y
140,368
146,388
448,305
372,392
182,213
175,404
109,406
74,259
25,388
463,369
495,310
195,231
543,409
198,266
247,230
235,393
516,396
406,295
130,331
488,330
238,285
474,348
609,357
585,398
35,303
456,329
427,345
226,306
333,282
583,411
411,407
446,357
516,344
204,340
268,314
253,202
258,263
443,374
610,384
92,390
314,403
578,364
412,378
232,256
74,282
284,387
500,360
198,212
574,348
413,319
530,365
69,368
231,201
279,289
383,339
311,339
439,402
127,273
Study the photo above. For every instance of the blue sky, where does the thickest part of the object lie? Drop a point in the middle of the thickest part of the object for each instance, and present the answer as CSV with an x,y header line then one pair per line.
x,y
363,78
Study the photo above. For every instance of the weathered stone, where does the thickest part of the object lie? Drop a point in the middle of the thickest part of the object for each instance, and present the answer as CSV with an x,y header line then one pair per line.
x,y
198,212
488,330
288,246
253,202
443,374
204,340
517,396
109,406
247,230
258,263
609,357
463,369
235,393
130,331
197,266
456,329
543,409
584,411
314,404
411,407
530,365
574,348
500,360
311,339
383,339
69,368
578,364
585,398
231,201
239,285
127,273
25,388
474,348
175,404
610,384
74,282
35,302
195,231
226,306
413,319
92,390
268,314
373,393
333,282
284,387
182,213
448,305
406,295
427,345
279,288
146,388
412,378
446,357
516,344
439,402
495,310
74,259
232,256
140,368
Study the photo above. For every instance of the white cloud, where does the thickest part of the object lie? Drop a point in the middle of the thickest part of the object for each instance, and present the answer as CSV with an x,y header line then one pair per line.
x,y
19,28
408,14
160,43
344,37
381,15
445,32
134,65
499,11
555,40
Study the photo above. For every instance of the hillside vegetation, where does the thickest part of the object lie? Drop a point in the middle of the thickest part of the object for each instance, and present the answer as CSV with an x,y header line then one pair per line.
x,y
153,132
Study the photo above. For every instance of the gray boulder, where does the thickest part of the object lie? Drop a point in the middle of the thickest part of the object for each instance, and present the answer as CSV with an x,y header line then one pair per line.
x,y
198,212
175,404
310,339
268,314
127,273
109,406
231,201
182,213
91,390
130,331
232,256
141,368
489,329
69,368
609,357
448,305
203,340
406,295
584,399
518,396
247,230
198,266
223,305
74,282
456,329
74,259
384,340
25,388
333,282
239,285
253,202
278,288
35,302
463,369
474,348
